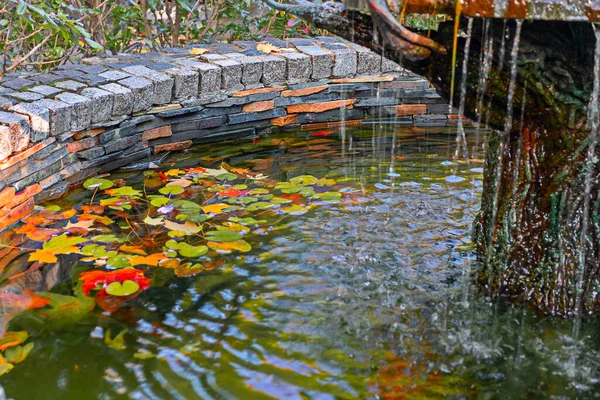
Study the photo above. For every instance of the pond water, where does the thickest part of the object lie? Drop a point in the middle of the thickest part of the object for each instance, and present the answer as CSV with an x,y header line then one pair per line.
x,y
366,296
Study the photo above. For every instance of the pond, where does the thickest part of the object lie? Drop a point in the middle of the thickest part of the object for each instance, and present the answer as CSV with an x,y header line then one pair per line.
x,y
353,281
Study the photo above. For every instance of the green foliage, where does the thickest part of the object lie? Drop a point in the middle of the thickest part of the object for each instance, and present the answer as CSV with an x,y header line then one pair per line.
x,y
40,34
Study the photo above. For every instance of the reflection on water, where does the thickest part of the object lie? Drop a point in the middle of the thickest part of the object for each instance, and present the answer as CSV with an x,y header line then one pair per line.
x,y
369,299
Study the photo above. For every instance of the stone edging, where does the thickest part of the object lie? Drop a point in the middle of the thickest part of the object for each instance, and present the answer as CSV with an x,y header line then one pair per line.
x,y
58,128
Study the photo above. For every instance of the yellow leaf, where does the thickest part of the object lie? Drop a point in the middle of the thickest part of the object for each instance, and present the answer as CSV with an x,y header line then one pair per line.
x,y
154,221
267,48
215,208
189,228
43,256
175,172
228,247
198,51
180,182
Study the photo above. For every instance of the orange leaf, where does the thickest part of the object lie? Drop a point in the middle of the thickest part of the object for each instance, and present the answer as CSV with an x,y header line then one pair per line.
x,y
169,263
92,209
133,250
152,260
215,208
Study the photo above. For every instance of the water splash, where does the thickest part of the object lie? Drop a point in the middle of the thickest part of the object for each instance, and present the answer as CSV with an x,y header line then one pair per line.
x,y
503,144
461,140
589,171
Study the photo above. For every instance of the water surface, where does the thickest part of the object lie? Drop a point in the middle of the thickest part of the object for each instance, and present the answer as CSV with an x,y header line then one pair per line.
x,y
364,299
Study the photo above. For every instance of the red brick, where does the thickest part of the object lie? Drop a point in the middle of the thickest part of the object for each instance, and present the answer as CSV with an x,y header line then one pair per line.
x,y
6,195
10,161
285,120
163,131
259,106
82,144
410,109
244,93
319,107
24,195
186,144
304,92
16,214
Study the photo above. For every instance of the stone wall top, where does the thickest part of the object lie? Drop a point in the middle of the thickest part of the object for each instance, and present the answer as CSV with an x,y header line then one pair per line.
x,y
104,91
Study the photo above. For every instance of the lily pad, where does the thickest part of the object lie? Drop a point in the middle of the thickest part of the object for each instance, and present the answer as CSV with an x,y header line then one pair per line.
x,y
223,236
190,251
126,288
171,190
97,184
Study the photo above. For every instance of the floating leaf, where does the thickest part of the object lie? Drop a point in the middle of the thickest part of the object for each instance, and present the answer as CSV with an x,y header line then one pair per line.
x,y
95,183
189,251
215,208
5,366
133,250
12,339
107,239
188,228
152,260
43,256
188,269
154,221
223,236
122,289
126,191
171,190
228,247
116,343
17,354
117,261
227,177
261,205
304,180
181,183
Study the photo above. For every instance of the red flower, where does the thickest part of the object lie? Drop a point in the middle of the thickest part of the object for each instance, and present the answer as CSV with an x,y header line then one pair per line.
x,y
91,279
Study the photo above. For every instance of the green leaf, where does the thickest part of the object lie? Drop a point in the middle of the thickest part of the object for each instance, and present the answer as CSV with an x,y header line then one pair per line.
x,y
261,205
304,180
222,236
189,251
126,288
17,354
226,177
171,190
118,343
107,239
159,201
95,183
118,261
126,191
